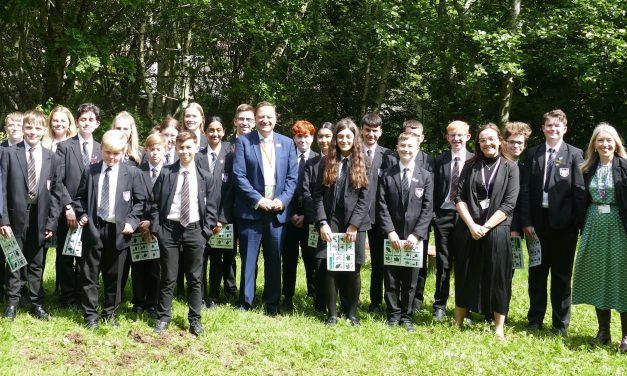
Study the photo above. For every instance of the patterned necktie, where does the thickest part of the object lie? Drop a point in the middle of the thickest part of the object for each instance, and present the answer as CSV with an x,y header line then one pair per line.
x,y
549,169
184,218
369,154
454,180
32,175
405,186
167,159
214,158
340,184
85,153
103,209
154,175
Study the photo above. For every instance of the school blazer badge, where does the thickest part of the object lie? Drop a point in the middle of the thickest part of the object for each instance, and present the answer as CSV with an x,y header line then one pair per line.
x,y
419,192
564,172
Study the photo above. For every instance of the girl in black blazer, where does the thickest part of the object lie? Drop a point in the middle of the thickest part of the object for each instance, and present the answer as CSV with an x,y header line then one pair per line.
x,y
341,205
601,262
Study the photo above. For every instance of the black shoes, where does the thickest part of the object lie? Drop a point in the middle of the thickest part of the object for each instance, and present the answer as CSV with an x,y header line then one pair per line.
x,y
111,320
331,320
211,304
39,312
408,326
354,321
195,328
161,326
10,312
534,327
392,323
92,324
287,305
374,308
439,314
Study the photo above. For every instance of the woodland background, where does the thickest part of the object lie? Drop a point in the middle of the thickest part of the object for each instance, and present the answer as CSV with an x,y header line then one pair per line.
x,y
435,60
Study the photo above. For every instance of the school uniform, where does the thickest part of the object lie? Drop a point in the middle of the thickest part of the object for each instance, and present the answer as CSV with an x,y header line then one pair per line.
x,y
75,156
445,216
221,262
109,197
553,196
310,177
182,218
296,238
377,159
339,206
145,274
427,162
32,191
404,205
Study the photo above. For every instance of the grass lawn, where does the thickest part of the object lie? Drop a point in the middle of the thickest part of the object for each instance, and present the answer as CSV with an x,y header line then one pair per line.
x,y
252,343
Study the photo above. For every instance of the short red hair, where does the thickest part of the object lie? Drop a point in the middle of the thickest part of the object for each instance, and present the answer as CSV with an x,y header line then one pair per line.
x,y
303,128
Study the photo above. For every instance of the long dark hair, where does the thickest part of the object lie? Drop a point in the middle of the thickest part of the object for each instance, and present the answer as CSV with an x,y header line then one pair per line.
x,y
477,150
358,175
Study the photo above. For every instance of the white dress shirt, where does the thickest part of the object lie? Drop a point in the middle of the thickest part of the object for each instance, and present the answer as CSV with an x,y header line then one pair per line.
x,y
175,209
113,186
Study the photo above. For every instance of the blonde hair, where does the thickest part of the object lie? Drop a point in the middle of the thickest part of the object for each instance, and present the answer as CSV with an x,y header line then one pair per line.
x,y
156,139
133,142
193,105
14,117
114,140
34,117
592,157
71,130
458,124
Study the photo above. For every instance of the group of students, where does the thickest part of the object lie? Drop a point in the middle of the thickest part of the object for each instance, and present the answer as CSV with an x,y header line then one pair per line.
x,y
188,184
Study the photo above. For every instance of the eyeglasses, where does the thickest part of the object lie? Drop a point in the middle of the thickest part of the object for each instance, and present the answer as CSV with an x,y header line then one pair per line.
x,y
245,119
484,141
456,135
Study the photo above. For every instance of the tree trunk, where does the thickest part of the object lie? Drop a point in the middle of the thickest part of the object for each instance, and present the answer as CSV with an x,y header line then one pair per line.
x,y
383,81
507,82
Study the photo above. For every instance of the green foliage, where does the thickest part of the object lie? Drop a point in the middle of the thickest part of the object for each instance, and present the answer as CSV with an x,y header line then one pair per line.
x,y
322,60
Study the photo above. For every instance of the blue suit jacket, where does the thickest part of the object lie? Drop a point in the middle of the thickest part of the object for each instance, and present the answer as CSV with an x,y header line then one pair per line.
x,y
248,175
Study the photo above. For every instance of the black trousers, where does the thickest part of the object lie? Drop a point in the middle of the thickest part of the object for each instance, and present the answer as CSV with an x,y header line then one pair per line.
x,y
320,271
109,261
558,253
421,276
445,255
296,238
145,276
400,287
33,272
349,286
222,266
172,237
375,240
68,270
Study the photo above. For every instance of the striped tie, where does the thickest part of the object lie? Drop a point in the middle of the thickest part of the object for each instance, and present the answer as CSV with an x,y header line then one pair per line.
x,y
32,176
85,154
185,200
103,209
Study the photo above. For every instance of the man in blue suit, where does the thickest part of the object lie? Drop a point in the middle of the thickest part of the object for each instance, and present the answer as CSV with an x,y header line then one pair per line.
x,y
265,171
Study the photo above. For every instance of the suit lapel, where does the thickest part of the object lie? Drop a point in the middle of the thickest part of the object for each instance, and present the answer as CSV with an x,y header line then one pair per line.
x,y
447,169
78,154
171,185
254,138
415,179
21,157
122,179
46,163
200,181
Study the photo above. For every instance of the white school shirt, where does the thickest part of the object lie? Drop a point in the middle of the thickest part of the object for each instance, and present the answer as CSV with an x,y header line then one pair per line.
x,y
175,209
